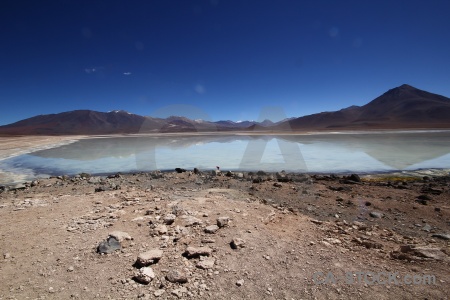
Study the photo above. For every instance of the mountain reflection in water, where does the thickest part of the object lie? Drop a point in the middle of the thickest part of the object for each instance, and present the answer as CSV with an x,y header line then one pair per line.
x,y
338,152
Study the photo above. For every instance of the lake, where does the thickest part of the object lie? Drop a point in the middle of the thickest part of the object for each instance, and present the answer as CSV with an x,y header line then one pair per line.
x,y
361,152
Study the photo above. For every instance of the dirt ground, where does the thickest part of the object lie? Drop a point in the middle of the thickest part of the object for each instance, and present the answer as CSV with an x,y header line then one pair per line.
x,y
280,236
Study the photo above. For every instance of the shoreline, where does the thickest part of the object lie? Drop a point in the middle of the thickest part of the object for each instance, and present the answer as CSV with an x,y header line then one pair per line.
x,y
395,175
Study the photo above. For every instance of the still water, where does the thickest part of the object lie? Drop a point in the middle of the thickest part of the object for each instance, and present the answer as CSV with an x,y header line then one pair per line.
x,y
332,152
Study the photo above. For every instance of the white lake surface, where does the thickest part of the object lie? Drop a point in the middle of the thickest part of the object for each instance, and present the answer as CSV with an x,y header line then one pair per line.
x,y
363,152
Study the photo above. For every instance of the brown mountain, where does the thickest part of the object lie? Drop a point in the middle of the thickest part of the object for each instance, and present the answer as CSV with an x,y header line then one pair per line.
x,y
401,107
93,122
78,122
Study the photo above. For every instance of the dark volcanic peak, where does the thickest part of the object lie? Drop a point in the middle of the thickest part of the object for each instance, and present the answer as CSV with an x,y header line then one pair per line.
x,y
401,107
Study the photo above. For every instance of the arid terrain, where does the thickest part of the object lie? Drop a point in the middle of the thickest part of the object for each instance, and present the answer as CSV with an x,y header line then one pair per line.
x,y
223,235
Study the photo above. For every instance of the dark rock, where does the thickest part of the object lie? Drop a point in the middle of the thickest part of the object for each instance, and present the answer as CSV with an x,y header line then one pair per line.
x,y
180,170
277,184
424,197
432,191
117,175
257,180
442,236
83,175
354,177
282,177
109,246
100,189
423,202
196,171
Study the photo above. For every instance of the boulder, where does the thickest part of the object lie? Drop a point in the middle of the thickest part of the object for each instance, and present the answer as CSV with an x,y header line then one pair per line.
x,y
120,236
176,276
109,246
149,257
223,221
211,229
144,275
192,252
206,264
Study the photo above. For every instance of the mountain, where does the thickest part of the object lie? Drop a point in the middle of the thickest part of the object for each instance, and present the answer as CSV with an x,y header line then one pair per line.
x,y
115,122
402,107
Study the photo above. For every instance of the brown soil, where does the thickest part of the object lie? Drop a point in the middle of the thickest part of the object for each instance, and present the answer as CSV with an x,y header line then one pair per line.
x,y
292,227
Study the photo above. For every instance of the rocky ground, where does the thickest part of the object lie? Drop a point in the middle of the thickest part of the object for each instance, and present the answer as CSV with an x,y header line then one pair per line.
x,y
214,235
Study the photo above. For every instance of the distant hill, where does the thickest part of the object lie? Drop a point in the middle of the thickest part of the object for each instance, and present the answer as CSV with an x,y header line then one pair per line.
x,y
401,107
115,122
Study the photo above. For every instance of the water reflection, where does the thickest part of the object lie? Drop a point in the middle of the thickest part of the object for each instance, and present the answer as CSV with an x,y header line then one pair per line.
x,y
366,152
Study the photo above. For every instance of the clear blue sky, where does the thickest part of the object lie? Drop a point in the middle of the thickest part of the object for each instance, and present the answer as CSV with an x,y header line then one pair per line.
x,y
227,58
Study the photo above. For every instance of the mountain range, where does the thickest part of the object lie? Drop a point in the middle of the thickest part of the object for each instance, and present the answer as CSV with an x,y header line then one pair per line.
x,y
403,107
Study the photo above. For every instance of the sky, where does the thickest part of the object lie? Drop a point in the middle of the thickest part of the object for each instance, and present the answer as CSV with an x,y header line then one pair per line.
x,y
216,59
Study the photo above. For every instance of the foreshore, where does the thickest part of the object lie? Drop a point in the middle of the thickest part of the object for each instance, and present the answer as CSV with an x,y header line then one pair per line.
x,y
224,235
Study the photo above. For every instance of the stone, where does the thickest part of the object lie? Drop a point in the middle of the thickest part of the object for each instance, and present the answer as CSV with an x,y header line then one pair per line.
x,y
180,292
427,227
94,179
176,276
223,221
433,253
424,197
208,240
355,178
120,236
277,184
192,252
211,229
376,214
240,282
169,219
144,275
180,170
161,229
237,243
149,257
192,221
159,293
109,246
442,236
206,264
